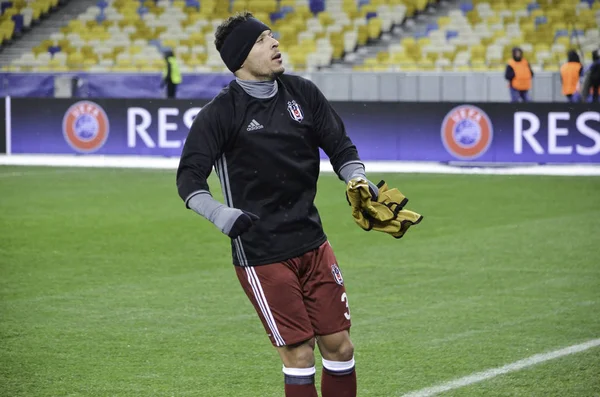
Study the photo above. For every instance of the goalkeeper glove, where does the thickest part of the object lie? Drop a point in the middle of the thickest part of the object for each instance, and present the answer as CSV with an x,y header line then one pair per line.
x,y
386,213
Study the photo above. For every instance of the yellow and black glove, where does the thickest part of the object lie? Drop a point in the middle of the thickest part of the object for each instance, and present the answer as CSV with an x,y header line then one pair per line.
x,y
385,213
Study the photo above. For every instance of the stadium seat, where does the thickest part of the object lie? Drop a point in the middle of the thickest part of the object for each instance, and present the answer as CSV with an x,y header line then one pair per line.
x,y
479,35
474,34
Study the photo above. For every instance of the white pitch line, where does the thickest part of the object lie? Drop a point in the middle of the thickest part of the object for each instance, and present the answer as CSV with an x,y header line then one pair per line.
x,y
28,173
171,163
492,373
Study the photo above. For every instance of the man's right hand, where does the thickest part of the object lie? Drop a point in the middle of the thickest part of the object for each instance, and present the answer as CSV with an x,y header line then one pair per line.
x,y
234,222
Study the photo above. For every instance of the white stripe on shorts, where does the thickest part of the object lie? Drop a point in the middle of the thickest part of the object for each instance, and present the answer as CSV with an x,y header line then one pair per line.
x,y
264,305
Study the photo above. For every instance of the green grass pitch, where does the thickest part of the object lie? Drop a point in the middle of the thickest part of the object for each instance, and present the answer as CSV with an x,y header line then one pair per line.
x,y
110,287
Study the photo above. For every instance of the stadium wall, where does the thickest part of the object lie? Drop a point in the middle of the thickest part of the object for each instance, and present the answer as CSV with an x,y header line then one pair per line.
x,y
337,86
458,132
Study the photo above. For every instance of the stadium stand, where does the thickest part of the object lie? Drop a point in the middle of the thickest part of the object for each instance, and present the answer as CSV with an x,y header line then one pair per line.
x,y
130,35
18,16
479,36
126,35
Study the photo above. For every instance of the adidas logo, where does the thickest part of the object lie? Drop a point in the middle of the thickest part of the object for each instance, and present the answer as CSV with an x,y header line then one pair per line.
x,y
254,125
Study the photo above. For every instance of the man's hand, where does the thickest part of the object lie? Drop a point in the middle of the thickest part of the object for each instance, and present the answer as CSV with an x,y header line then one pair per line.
x,y
234,222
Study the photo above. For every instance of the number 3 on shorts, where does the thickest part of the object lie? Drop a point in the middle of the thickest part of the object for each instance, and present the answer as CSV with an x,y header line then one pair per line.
x,y
345,300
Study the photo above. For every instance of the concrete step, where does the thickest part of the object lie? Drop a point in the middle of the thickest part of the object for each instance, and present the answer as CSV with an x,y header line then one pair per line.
x,y
397,33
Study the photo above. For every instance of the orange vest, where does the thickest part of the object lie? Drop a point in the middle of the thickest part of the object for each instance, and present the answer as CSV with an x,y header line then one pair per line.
x,y
570,77
522,80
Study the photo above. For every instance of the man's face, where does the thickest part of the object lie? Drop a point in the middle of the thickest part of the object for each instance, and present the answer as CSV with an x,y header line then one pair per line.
x,y
518,55
264,60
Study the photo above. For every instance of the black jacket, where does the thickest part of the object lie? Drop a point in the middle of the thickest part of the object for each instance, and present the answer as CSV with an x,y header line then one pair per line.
x,y
266,153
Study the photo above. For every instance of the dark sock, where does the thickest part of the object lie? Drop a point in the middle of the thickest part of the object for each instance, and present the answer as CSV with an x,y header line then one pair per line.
x,y
338,379
300,382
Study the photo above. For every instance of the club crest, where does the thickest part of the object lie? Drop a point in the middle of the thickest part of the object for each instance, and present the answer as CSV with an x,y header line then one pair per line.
x,y
295,111
337,274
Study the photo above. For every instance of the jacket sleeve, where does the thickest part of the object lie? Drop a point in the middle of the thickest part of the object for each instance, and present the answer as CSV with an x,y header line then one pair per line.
x,y
509,73
331,131
531,70
204,144
585,87
169,71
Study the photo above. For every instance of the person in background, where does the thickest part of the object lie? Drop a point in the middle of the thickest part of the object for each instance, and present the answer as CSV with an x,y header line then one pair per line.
x,y
171,76
519,75
570,72
590,90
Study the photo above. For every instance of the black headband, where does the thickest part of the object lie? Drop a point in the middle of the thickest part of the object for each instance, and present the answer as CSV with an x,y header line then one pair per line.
x,y
240,41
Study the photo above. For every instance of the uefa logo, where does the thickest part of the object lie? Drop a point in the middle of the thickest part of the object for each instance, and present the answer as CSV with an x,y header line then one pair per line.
x,y
85,127
467,132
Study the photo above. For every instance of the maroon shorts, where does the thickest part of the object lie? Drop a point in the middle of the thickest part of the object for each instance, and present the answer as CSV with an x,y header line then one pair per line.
x,y
298,298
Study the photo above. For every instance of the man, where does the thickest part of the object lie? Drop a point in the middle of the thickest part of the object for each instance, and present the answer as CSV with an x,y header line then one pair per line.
x,y
171,76
262,133
519,75
570,72
591,80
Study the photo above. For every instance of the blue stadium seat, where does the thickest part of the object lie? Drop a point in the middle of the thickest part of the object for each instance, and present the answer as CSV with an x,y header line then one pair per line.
x,y
276,16
54,49
287,9
540,20
193,3
451,33
5,5
317,6
561,33
466,7
142,10
432,26
577,32
18,20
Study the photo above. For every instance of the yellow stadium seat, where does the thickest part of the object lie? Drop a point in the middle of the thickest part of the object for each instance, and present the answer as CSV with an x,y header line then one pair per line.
x,y
370,62
498,5
303,11
443,22
383,57
374,27
265,6
478,51
400,58
363,34
563,40
473,17
325,18
75,60
239,6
